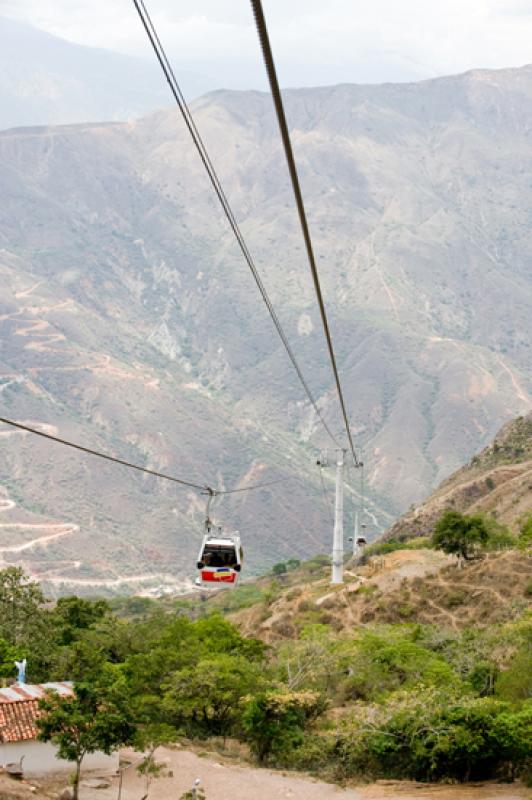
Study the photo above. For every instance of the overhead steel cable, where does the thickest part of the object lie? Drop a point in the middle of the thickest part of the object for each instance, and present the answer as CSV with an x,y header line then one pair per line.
x,y
182,105
201,487
249,488
281,118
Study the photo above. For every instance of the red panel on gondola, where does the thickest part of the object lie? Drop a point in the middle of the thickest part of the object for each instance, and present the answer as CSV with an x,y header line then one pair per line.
x,y
218,576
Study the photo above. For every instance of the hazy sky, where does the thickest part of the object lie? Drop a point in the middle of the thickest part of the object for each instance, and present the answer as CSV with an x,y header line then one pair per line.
x,y
315,41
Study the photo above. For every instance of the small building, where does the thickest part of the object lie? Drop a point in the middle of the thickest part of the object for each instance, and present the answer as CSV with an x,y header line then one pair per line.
x,y
19,710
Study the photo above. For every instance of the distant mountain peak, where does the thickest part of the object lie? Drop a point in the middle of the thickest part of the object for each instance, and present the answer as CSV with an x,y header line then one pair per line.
x,y
46,80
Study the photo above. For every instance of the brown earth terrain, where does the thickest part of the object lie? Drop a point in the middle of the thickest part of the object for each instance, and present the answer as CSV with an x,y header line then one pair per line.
x,y
497,482
222,779
423,586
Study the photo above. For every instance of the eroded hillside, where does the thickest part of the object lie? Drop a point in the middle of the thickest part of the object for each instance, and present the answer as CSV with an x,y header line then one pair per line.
x,y
422,586
497,482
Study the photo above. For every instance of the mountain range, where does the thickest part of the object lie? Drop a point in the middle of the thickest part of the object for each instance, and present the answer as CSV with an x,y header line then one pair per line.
x,y
130,322
46,80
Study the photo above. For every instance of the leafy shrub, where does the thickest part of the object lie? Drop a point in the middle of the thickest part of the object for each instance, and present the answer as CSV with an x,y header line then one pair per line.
x,y
274,722
426,736
406,610
392,545
430,702
316,564
315,753
194,794
515,682
386,660
483,676
418,543
272,593
499,536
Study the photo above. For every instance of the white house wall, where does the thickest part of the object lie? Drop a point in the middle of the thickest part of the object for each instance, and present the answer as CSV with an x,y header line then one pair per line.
x,y
40,758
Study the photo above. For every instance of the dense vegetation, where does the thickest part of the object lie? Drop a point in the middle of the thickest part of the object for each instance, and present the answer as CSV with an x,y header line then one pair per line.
x,y
402,700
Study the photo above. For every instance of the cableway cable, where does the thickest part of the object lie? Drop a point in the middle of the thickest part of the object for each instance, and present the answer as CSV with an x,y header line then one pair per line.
x,y
182,105
201,487
285,136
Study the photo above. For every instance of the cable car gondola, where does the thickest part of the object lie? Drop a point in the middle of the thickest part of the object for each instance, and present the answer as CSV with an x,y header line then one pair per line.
x,y
220,556
219,559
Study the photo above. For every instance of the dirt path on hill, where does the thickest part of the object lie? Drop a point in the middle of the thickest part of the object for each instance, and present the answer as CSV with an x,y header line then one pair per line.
x,y
49,531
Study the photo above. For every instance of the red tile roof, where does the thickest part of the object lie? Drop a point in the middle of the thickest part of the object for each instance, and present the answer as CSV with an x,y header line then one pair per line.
x,y
19,709
18,720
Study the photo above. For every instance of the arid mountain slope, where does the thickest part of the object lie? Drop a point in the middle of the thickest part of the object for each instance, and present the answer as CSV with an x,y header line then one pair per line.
x,y
130,322
497,481
416,585
422,586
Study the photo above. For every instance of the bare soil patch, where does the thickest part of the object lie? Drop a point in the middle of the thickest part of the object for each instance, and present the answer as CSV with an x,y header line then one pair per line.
x,y
224,780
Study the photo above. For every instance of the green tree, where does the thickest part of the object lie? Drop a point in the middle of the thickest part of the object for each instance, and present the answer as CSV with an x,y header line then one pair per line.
x,y
167,645
205,698
79,661
471,653
8,656
280,568
275,722
21,605
97,717
72,615
459,534
25,623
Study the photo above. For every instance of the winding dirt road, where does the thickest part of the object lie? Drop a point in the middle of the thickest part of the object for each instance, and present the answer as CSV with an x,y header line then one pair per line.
x,y
51,532
55,531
